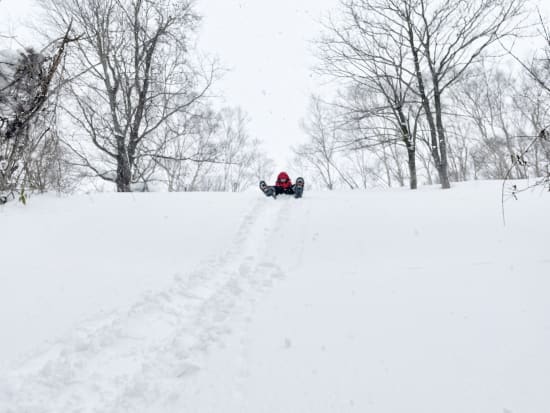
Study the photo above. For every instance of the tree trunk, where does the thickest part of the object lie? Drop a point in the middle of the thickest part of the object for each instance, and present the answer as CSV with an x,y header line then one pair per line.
x,y
411,149
443,177
442,167
437,134
123,173
413,180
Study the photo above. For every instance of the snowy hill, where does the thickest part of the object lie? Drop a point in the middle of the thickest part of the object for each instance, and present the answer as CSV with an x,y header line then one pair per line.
x,y
376,301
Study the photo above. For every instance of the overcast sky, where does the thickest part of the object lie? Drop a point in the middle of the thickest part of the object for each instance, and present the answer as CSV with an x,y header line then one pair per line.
x,y
265,44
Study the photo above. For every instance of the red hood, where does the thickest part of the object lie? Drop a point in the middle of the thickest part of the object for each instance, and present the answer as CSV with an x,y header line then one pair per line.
x,y
283,175
283,180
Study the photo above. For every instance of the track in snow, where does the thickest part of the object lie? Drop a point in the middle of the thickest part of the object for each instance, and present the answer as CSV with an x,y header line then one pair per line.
x,y
132,359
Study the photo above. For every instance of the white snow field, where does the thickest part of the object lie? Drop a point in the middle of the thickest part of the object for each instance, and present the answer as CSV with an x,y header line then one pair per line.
x,y
359,301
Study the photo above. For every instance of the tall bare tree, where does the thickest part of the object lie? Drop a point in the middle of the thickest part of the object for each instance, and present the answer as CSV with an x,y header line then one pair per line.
x,y
130,74
28,146
393,45
445,38
358,48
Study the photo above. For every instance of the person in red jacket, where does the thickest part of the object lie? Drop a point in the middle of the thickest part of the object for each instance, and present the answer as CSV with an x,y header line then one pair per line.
x,y
283,185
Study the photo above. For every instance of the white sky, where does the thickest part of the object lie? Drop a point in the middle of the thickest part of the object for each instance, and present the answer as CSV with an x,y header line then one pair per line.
x,y
266,46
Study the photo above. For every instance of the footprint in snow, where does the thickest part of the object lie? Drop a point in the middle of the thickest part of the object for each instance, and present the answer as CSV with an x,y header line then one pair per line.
x,y
187,369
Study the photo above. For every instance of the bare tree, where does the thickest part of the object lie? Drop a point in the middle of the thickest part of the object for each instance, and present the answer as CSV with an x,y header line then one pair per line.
x,y
445,38
534,105
360,166
131,74
496,114
193,148
386,131
234,142
27,117
537,104
322,150
358,48
215,153
539,66
421,46
244,163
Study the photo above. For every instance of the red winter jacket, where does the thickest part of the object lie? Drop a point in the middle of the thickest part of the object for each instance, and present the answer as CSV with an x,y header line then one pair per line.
x,y
283,180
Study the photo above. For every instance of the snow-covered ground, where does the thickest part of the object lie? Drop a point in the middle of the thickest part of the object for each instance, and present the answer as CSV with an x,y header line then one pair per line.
x,y
367,301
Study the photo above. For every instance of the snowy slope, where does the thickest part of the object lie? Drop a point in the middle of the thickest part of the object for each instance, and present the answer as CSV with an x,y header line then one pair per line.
x,y
377,301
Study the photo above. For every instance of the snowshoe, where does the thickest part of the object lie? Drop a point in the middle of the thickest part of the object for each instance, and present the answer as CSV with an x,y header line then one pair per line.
x,y
299,188
268,190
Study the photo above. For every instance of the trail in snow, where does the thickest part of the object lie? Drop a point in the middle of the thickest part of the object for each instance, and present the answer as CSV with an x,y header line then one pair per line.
x,y
65,259
224,384
131,359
